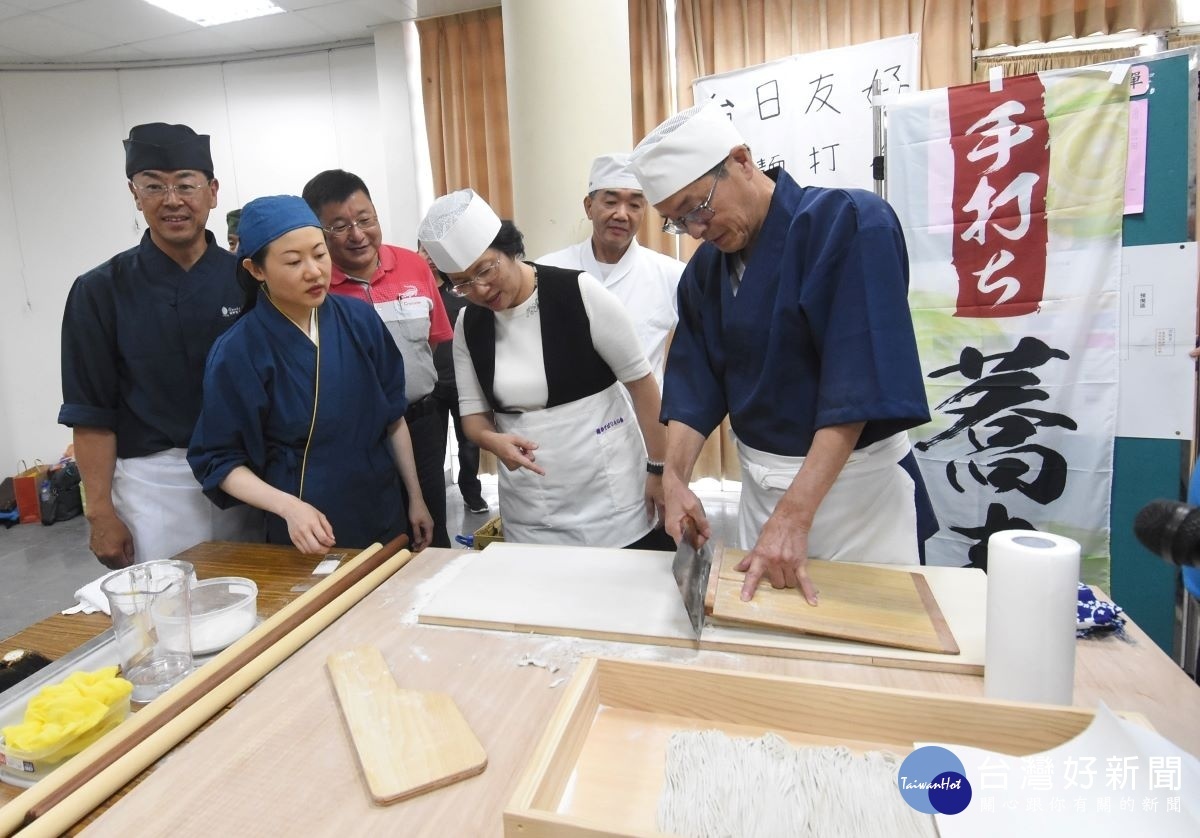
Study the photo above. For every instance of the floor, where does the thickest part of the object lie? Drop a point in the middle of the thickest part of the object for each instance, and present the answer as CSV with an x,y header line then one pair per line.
x,y
42,567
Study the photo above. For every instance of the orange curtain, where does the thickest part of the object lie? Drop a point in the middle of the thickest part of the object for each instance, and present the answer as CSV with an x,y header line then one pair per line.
x,y
1032,62
466,105
466,113
1178,40
714,36
1017,22
650,92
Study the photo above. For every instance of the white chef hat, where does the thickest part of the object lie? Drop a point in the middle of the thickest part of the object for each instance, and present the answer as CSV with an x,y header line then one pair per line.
x,y
682,149
457,229
611,171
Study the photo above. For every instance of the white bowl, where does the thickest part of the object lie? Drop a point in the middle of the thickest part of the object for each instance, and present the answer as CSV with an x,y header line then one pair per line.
x,y
223,609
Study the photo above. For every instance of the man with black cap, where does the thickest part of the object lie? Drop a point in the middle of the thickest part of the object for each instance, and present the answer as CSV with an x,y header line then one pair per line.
x,y
794,321
135,335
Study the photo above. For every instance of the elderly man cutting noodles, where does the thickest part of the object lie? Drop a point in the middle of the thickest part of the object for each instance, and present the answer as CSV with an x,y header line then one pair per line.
x,y
794,320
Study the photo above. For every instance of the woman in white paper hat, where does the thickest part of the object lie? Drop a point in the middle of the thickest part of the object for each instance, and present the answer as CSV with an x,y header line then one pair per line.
x,y
541,359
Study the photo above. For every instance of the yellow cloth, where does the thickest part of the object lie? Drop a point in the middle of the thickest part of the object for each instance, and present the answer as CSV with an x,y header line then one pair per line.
x,y
67,711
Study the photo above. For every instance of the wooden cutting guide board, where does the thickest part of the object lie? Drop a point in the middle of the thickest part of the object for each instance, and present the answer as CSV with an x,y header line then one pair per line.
x,y
880,605
408,742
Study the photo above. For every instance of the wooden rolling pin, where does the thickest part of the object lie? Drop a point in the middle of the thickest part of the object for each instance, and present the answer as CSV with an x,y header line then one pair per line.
x,y
361,575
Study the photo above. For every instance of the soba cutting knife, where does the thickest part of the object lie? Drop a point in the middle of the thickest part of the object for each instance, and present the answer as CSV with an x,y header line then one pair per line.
x,y
691,568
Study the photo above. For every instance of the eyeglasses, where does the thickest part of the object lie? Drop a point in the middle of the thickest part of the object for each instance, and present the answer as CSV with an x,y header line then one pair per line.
x,y
362,224
158,191
702,214
487,276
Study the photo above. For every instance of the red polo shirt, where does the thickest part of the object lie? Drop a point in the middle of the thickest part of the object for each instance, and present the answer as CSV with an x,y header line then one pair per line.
x,y
401,275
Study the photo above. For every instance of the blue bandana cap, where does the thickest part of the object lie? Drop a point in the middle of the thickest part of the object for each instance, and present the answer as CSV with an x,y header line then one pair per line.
x,y
266,219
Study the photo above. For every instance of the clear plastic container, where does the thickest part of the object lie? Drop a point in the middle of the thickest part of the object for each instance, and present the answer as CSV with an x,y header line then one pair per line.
x,y
223,609
24,768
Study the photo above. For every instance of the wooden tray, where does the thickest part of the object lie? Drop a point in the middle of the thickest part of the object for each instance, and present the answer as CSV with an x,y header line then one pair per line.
x,y
887,606
597,770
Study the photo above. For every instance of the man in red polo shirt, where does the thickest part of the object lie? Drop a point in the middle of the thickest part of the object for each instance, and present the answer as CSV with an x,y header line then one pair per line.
x,y
398,283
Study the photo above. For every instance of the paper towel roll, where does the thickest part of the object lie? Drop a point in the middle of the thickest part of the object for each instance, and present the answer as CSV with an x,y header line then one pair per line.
x,y
1032,597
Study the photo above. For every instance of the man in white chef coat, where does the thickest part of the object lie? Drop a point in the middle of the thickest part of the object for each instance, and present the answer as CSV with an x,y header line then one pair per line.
x,y
642,279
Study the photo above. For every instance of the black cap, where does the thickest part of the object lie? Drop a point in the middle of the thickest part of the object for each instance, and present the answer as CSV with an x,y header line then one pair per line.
x,y
157,145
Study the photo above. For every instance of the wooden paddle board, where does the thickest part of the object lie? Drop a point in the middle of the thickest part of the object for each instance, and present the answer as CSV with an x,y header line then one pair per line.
x,y
868,603
408,742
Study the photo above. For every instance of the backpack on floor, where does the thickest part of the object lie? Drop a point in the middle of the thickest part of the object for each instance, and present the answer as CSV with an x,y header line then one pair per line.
x,y
62,499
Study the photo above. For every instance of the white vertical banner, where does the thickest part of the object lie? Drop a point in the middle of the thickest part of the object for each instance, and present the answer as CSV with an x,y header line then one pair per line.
x,y
1011,198
811,113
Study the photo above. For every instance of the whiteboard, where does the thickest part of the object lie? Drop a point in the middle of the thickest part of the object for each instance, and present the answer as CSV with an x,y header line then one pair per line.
x,y
811,113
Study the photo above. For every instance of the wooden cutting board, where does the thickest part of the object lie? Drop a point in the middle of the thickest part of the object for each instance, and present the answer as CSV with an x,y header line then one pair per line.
x,y
867,603
408,742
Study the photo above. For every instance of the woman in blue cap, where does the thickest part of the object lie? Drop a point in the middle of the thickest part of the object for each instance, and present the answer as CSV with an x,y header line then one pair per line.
x,y
304,404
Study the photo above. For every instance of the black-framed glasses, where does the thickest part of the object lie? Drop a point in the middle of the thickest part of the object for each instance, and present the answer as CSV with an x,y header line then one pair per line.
x,y
486,275
369,222
159,191
702,214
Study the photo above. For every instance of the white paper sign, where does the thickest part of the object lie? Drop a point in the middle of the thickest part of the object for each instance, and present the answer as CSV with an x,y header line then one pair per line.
x,y
812,112
1156,398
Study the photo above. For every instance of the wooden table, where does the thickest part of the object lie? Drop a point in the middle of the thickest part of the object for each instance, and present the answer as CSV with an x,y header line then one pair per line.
x,y
280,761
281,574
276,570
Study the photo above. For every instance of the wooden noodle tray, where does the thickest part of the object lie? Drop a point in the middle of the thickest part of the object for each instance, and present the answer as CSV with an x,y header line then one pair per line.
x,y
598,768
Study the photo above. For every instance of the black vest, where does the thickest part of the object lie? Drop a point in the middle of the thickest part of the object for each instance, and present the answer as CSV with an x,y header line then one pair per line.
x,y
574,369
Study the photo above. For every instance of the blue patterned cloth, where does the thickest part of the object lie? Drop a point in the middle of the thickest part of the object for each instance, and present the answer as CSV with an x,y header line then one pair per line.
x,y
1096,616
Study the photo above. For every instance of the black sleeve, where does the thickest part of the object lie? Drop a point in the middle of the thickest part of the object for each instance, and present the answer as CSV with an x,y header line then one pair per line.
x,y
90,381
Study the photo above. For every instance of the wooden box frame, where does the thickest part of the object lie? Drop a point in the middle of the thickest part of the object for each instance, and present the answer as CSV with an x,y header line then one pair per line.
x,y
599,764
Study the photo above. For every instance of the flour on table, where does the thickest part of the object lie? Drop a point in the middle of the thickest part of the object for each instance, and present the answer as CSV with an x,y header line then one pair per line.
x,y
421,594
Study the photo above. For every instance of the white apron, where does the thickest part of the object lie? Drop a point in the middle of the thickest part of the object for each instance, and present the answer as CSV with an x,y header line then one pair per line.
x,y
593,494
158,498
869,515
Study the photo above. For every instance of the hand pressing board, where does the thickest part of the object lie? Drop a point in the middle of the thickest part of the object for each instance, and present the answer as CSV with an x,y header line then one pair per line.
x,y
888,606
408,742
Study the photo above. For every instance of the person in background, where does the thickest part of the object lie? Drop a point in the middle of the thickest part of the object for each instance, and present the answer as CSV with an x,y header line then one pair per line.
x,y
398,283
537,358
304,400
446,393
231,224
135,333
644,280
794,320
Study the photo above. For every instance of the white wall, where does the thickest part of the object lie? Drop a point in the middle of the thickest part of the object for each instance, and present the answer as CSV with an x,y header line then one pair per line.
x,y
64,206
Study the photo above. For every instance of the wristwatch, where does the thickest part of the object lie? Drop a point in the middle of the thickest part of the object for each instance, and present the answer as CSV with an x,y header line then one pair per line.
x,y
653,467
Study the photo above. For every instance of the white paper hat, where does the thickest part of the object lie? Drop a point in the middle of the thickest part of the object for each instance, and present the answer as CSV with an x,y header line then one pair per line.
x,y
682,149
611,171
457,229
